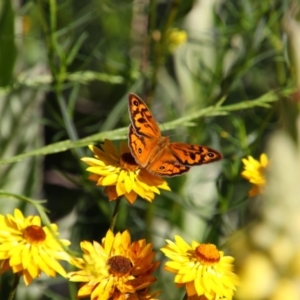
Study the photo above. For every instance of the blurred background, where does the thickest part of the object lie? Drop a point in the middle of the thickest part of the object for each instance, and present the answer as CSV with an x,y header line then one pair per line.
x,y
66,68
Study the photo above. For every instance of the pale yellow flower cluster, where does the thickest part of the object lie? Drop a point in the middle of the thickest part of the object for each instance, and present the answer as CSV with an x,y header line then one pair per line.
x,y
268,252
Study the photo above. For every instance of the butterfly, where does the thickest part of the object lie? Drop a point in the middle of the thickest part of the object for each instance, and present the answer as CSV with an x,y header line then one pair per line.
x,y
156,153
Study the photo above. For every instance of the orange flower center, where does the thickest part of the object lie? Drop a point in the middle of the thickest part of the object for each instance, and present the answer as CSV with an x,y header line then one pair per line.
x,y
34,234
119,265
127,162
207,254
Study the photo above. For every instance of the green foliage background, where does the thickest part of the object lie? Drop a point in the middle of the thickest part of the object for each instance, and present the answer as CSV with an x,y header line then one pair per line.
x,y
66,68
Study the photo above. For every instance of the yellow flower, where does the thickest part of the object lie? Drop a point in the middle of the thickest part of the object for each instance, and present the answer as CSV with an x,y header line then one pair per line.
x,y
115,266
255,173
202,269
29,249
120,174
175,38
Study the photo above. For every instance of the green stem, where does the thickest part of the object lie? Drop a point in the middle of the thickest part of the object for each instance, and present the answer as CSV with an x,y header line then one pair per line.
x,y
72,133
217,110
159,48
14,287
59,69
152,16
185,297
150,213
35,203
115,214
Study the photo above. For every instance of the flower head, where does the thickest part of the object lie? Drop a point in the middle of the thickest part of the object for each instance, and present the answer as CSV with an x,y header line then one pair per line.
x,y
254,172
175,38
115,268
120,174
202,269
29,249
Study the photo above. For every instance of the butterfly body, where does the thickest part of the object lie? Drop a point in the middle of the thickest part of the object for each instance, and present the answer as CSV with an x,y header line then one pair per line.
x,y
156,153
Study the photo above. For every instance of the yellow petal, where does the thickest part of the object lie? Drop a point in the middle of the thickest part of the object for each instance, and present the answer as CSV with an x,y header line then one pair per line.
x,y
109,241
93,161
264,160
110,179
85,291
128,183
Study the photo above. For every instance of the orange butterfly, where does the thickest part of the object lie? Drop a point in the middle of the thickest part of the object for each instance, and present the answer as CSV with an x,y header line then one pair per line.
x,y
155,152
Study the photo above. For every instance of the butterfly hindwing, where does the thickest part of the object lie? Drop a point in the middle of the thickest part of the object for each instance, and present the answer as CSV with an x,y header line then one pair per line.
x,y
193,155
166,165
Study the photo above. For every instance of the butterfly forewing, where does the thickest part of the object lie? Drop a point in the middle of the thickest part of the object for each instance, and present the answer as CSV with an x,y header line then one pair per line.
x,y
192,155
141,117
141,147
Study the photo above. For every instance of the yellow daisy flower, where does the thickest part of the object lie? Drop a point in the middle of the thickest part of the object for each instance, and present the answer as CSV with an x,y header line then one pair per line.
x,y
115,266
254,172
175,38
29,249
201,268
120,174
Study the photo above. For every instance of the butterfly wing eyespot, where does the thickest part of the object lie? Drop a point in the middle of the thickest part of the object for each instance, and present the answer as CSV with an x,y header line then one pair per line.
x,y
192,155
215,155
155,152
169,169
135,103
